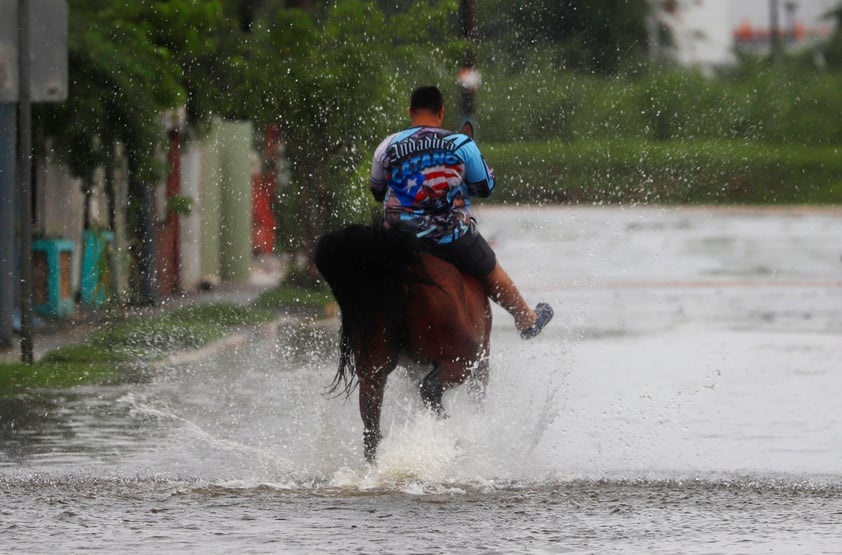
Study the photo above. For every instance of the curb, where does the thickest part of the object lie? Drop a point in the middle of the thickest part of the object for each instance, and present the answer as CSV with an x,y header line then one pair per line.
x,y
267,330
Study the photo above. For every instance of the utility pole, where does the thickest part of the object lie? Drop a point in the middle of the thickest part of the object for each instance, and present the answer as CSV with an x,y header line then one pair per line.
x,y
468,76
33,68
24,175
8,159
774,31
791,33
142,193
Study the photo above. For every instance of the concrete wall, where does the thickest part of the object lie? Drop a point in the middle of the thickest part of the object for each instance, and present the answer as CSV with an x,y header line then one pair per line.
x,y
59,209
215,239
122,257
236,213
209,200
190,247
223,203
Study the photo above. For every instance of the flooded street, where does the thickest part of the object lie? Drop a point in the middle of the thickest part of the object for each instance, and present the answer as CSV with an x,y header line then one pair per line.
x,y
686,399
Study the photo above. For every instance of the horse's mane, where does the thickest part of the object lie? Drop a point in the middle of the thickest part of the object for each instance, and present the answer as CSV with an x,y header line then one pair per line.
x,y
368,268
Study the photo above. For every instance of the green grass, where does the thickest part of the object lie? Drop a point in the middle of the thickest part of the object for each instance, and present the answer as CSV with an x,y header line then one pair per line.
x,y
135,339
104,355
287,296
88,353
149,337
18,377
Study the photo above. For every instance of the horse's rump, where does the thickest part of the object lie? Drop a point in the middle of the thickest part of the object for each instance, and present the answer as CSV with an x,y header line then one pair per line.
x,y
368,270
451,319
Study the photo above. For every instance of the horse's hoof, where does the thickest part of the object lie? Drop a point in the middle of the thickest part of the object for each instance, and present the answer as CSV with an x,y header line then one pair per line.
x,y
545,314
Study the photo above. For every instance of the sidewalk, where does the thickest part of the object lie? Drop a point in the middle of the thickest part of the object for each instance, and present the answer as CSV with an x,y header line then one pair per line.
x,y
50,334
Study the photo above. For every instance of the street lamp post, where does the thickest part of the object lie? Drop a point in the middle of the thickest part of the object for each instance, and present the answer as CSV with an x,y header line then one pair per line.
x,y
35,32
790,8
468,76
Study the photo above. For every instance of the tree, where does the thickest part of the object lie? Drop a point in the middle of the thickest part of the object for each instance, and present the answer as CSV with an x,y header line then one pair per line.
x,y
129,62
832,51
121,81
334,76
585,35
340,79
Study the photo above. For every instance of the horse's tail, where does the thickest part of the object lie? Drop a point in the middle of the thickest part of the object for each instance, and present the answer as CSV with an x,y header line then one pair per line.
x,y
367,269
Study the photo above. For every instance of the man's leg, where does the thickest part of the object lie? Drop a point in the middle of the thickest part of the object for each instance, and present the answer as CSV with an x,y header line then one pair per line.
x,y
474,256
502,290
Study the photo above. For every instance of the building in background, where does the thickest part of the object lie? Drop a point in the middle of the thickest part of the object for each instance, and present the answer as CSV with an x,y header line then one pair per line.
x,y
710,33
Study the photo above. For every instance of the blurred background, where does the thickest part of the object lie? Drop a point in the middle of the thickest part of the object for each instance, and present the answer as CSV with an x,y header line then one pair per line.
x,y
194,136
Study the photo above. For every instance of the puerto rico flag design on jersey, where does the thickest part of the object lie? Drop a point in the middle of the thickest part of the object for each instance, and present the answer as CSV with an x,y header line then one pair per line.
x,y
425,176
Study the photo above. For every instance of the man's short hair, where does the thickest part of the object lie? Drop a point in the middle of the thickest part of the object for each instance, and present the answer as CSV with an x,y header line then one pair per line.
x,y
427,97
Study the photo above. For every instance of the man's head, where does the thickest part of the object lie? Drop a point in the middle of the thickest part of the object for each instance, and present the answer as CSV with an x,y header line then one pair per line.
x,y
426,105
427,97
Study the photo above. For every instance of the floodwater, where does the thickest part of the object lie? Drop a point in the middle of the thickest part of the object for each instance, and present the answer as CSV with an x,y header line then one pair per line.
x,y
686,399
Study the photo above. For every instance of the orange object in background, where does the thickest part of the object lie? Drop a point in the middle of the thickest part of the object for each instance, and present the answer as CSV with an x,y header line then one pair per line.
x,y
263,186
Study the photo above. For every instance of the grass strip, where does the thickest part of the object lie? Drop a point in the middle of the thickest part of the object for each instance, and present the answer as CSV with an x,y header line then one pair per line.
x,y
17,377
287,297
135,339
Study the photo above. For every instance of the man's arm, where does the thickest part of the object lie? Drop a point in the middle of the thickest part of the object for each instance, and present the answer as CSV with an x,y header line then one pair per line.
x,y
478,176
378,189
379,182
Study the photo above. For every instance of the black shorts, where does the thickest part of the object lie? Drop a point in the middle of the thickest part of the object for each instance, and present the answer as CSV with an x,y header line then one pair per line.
x,y
470,253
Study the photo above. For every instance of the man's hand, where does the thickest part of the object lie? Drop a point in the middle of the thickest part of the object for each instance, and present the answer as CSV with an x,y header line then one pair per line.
x,y
467,128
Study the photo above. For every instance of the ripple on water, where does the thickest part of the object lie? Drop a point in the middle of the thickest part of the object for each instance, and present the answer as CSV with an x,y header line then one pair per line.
x,y
690,514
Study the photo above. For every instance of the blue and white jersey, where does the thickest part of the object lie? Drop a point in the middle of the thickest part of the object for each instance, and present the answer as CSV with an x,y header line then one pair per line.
x,y
425,176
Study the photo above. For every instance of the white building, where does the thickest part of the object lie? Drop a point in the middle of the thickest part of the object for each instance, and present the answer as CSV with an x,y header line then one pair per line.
x,y
708,33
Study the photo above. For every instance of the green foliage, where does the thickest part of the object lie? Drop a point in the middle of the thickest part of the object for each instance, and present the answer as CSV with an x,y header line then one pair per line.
x,y
783,104
335,79
345,83
93,352
120,82
832,51
226,71
636,171
180,204
590,36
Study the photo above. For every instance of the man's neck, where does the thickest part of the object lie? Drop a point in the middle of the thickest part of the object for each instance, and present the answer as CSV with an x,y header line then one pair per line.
x,y
425,118
426,122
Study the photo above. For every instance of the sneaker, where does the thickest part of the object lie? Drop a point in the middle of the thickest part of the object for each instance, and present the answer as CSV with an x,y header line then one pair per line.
x,y
545,314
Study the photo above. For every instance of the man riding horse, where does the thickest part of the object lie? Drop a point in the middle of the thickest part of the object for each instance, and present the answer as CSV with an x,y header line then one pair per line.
x,y
424,176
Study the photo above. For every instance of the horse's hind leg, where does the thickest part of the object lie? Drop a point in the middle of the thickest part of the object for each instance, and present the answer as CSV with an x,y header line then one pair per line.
x,y
432,391
478,382
442,376
371,402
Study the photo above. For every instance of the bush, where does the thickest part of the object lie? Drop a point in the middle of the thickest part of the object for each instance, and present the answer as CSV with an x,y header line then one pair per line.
x,y
755,102
636,171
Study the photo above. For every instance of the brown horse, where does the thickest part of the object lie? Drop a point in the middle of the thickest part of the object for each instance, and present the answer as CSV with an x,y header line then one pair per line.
x,y
396,300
